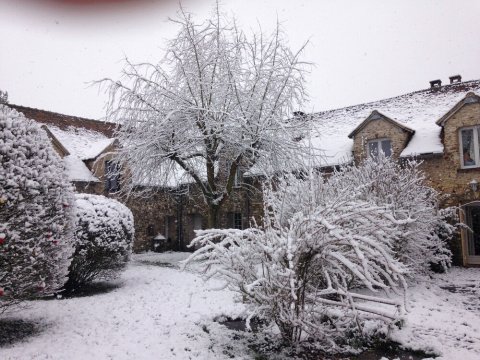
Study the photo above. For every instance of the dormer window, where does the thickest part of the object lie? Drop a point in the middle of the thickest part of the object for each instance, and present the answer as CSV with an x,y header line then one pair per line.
x,y
469,151
377,145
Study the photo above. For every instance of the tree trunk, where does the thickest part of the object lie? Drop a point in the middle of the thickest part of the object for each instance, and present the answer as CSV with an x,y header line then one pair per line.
x,y
213,212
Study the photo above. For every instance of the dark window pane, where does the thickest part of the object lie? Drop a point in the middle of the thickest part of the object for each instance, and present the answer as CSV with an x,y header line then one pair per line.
x,y
387,147
468,147
237,221
112,176
373,148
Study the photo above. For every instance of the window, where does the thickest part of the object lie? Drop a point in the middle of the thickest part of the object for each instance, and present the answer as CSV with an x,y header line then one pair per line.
x,y
237,221
150,230
374,146
469,149
169,223
237,180
112,176
197,221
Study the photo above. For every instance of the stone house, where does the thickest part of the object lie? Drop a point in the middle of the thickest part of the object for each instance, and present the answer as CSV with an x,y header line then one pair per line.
x,y
166,217
439,126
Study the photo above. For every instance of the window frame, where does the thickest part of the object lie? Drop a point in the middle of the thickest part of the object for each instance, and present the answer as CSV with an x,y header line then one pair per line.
x,y
379,146
476,152
237,220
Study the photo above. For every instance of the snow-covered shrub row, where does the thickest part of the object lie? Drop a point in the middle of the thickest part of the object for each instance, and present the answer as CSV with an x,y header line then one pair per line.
x,y
401,188
104,237
36,217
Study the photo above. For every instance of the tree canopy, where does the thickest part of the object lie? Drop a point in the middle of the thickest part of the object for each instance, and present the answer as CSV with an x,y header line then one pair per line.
x,y
220,100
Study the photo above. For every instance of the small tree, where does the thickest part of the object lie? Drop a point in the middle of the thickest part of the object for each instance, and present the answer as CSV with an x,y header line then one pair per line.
x,y
401,187
219,101
299,270
3,97
104,236
36,220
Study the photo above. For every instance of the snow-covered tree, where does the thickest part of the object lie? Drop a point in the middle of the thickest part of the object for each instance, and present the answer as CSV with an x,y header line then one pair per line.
x,y
3,97
302,269
104,235
401,187
36,217
218,101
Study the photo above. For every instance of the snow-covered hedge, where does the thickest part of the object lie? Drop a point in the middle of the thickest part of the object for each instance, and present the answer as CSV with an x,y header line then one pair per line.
x,y
36,218
104,237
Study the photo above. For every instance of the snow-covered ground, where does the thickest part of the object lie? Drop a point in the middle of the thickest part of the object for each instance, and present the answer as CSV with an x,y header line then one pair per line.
x,y
159,312
444,316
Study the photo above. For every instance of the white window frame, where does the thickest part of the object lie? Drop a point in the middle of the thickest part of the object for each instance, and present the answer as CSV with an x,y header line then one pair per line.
x,y
379,142
476,156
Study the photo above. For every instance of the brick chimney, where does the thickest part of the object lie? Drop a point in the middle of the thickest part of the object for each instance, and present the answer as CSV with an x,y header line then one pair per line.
x,y
435,84
455,79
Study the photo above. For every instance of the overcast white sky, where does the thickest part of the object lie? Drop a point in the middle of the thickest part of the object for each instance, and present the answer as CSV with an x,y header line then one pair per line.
x,y
362,50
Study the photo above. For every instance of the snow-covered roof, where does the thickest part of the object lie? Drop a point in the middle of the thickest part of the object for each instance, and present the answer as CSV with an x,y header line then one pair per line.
x,y
418,111
78,138
84,144
77,170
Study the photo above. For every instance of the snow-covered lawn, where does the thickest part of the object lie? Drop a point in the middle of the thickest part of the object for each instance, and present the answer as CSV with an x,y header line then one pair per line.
x,y
159,312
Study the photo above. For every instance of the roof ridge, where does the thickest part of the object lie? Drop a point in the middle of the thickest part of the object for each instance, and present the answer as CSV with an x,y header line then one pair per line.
x,y
447,86
63,121
58,114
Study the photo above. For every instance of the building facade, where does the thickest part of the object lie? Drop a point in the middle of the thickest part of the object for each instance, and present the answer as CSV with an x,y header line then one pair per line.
x,y
439,126
165,218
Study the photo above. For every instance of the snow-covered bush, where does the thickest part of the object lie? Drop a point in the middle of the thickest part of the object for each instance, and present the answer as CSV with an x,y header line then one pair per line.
x,y
104,236
36,217
401,188
299,269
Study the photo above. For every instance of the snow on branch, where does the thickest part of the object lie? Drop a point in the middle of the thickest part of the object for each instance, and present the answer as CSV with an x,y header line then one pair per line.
x,y
219,99
303,269
331,250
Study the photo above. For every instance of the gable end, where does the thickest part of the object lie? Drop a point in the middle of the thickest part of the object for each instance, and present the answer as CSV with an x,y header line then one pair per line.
x,y
470,98
376,115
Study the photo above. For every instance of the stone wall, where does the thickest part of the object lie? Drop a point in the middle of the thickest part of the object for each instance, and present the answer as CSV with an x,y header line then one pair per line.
x,y
172,214
443,172
379,129
151,213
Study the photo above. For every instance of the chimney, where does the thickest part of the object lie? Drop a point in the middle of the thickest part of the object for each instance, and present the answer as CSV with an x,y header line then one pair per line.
x,y
455,79
435,84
